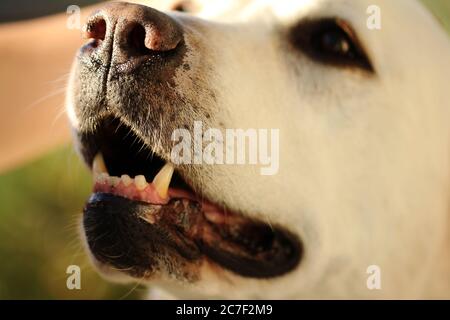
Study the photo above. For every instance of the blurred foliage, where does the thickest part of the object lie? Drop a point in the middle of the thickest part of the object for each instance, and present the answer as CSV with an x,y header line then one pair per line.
x,y
441,9
40,211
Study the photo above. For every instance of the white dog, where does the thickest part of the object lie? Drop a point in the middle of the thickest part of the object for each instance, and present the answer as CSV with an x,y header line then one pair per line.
x,y
364,141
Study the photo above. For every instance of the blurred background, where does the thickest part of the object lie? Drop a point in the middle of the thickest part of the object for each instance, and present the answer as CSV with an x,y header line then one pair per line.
x,y
41,203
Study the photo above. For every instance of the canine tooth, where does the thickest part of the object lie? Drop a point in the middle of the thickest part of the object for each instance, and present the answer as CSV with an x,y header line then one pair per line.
x,y
162,180
98,166
140,182
126,180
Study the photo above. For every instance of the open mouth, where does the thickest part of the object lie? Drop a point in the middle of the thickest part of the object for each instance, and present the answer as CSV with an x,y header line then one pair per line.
x,y
143,212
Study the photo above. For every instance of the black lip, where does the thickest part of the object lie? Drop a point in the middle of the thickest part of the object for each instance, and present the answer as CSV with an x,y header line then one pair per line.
x,y
118,237
282,252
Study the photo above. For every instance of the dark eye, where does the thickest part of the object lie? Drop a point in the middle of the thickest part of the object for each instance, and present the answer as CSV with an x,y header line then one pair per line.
x,y
334,42
330,41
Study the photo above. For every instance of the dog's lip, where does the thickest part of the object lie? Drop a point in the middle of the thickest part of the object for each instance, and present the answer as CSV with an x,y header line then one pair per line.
x,y
244,246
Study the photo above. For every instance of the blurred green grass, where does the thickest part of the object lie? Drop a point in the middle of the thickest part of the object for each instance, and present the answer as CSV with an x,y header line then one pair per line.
x,y
40,206
441,9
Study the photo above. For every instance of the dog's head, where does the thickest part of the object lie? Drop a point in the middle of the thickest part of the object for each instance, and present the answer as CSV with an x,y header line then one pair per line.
x,y
362,154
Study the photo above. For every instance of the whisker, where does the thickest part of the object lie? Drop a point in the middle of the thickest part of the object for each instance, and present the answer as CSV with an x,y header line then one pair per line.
x,y
52,94
58,116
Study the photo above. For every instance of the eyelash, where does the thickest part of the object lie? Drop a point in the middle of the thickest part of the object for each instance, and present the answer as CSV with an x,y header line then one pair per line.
x,y
330,41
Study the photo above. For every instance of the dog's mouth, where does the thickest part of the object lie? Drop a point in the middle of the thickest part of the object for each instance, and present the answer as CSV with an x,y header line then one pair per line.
x,y
144,217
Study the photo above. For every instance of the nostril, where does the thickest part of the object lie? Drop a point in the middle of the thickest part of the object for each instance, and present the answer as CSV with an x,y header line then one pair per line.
x,y
96,30
136,40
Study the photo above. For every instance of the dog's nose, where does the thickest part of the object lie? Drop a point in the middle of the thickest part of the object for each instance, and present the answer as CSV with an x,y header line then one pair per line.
x,y
126,34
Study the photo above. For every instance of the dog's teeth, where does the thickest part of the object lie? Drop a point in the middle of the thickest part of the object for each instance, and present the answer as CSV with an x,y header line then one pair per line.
x,y
126,180
140,182
98,166
101,177
115,181
162,180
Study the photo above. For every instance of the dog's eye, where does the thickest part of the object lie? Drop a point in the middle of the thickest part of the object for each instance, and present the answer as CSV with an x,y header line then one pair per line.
x,y
334,42
330,41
